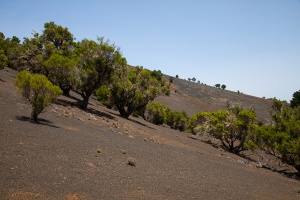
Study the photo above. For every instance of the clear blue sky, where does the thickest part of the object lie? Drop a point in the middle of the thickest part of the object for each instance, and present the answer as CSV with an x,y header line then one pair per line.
x,y
249,45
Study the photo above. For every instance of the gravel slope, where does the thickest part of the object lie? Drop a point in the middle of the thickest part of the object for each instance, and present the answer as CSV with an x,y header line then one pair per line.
x,y
75,154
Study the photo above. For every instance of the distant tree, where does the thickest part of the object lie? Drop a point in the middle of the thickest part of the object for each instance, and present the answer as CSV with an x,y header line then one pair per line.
x,y
198,82
193,79
223,87
157,75
217,85
189,79
15,39
38,90
177,76
171,79
295,102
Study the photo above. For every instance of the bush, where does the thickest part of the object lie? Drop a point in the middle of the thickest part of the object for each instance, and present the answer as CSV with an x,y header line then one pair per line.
x,y
38,90
177,120
156,113
166,90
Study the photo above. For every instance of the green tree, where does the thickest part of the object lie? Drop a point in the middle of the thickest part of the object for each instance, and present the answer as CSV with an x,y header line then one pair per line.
x,y
98,61
193,79
296,99
132,89
62,71
56,35
233,127
217,85
177,76
38,90
223,87
283,135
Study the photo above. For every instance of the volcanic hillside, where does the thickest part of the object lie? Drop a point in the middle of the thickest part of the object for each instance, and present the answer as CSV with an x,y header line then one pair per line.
x,y
75,154
194,97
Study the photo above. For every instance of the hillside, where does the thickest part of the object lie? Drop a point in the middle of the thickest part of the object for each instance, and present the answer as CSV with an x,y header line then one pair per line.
x,y
193,98
84,154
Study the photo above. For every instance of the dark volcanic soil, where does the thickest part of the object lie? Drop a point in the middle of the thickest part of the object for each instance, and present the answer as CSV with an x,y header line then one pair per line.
x,y
75,154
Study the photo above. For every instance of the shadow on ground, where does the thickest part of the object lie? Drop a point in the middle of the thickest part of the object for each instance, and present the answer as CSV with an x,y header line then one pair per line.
x,y
39,122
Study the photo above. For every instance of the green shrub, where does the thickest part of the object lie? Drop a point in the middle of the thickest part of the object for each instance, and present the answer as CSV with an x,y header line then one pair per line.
x,y
156,113
177,120
38,90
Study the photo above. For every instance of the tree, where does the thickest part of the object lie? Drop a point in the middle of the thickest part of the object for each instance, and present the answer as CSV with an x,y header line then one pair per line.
x,y
62,71
131,89
171,79
223,87
57,35
98,61
189,79
217,85
283,135
296,99
193,79
233,127
177,76
38,90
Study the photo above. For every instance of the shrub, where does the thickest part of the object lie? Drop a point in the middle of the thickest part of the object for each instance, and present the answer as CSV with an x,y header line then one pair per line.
x,y
166,90
156,113
177,120
38,90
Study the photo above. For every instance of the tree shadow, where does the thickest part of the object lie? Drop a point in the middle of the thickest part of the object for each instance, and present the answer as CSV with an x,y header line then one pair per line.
x,y
98,113
140,123
274,168
40,121
77,104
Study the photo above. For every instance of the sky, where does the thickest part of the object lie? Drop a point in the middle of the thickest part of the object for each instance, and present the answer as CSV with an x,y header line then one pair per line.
x,y
249,45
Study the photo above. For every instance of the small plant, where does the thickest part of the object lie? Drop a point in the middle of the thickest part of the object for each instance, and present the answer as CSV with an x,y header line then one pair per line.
x,y
171,79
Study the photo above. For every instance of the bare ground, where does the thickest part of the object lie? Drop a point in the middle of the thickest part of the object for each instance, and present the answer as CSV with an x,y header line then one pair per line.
x,y
76,154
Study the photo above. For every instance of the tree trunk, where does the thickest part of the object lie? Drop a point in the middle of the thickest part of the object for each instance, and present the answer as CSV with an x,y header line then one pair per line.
x,y
34,116
66,91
